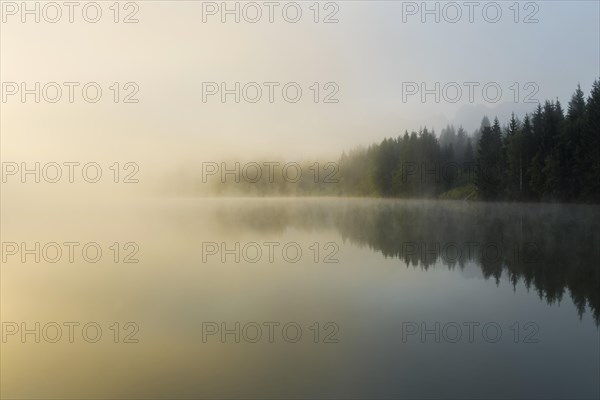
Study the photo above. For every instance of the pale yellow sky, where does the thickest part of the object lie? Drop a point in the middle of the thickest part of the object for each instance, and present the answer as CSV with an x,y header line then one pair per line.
x,y
368,54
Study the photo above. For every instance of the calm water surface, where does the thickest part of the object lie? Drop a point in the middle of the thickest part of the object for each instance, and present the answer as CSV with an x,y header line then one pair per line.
x,y
334,298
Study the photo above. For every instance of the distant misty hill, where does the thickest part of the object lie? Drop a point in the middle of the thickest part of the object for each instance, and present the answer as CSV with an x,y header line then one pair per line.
x,y
469,115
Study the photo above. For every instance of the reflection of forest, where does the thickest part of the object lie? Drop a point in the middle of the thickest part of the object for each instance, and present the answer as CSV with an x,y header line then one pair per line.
x,y
551,248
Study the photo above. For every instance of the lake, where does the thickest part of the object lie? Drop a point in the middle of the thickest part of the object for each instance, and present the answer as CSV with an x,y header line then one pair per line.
x,y
301,298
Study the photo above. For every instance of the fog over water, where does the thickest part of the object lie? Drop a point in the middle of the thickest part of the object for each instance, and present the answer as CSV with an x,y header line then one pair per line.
x,y
194,231
379,268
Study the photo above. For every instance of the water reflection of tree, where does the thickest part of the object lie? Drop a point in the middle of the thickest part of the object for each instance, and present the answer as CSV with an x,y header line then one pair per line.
x,y
551,248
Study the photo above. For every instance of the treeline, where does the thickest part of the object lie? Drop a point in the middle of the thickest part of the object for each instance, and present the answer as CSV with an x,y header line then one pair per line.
x,y
546,156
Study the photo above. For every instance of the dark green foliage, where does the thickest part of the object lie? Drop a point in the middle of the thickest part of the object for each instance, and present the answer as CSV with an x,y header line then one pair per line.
x,y
490,163
548,156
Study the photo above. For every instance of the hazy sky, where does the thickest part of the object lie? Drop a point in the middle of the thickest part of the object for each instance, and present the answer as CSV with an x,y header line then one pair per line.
x,y
368,54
